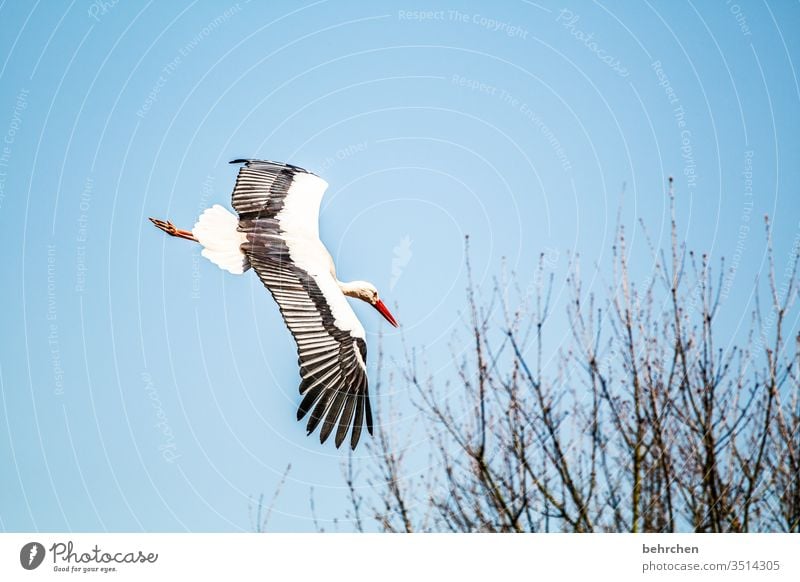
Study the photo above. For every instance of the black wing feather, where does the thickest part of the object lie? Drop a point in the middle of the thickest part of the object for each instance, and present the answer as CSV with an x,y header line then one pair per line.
x,y
334,383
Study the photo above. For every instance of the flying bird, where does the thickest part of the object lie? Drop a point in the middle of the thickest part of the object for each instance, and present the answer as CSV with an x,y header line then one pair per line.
x,y
276,233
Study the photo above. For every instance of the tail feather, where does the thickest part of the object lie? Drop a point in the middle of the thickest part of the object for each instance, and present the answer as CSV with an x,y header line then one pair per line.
x,y
216,230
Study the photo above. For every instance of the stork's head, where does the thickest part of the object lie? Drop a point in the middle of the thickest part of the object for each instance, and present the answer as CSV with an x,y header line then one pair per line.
x,y
366,291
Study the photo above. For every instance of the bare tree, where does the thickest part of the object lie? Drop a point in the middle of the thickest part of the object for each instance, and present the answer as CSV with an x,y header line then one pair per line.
x,y
260,515
647,419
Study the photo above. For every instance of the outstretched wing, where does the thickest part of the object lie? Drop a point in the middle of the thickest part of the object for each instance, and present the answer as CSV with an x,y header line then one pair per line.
x,y
278,207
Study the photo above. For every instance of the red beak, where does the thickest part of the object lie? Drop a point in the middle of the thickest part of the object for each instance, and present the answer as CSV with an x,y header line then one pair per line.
x,y
380,306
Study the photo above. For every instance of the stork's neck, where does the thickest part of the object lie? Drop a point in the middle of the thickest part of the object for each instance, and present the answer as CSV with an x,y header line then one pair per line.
x,y
358,289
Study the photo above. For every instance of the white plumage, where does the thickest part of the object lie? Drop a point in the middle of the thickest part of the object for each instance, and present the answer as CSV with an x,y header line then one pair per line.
x,y
216,230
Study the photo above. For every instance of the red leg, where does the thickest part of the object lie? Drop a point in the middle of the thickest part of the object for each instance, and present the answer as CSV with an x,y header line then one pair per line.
x,y
170,229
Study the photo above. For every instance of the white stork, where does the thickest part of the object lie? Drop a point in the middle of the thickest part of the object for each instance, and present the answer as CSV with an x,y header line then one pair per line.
x,y
277,234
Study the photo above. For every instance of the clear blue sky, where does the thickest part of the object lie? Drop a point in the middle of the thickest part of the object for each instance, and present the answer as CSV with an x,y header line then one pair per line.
x,y
144,389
